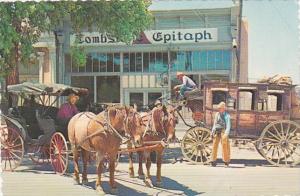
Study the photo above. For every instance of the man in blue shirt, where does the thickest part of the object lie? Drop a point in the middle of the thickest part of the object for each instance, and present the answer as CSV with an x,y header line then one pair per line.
x,y
220,132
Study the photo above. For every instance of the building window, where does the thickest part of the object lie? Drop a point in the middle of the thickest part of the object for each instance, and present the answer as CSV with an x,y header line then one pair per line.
x,y
89,63
274,102
146,61
108,89
201,60
139,62
132,62
84,82
100,62
103,59
126,62
110,64
246,100
152,97
117,62
218,97
96,62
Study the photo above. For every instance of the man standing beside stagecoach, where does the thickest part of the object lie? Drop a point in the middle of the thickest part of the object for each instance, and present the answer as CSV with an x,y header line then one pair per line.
x,y
220,132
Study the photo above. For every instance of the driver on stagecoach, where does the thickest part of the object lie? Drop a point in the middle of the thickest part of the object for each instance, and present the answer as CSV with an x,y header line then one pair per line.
x,y
187,84
67,111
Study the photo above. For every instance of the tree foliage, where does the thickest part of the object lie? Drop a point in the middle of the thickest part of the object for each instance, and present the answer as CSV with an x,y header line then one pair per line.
x,y
22,23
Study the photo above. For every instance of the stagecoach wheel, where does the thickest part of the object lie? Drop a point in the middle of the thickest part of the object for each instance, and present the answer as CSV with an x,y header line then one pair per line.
x,y
12,149
196,145
59,153
40,155
279,143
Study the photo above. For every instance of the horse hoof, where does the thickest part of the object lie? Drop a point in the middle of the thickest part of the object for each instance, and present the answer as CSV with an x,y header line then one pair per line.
x,y
131,175
141,176
76,181
159,184
114,191
148,183
100,190
85,181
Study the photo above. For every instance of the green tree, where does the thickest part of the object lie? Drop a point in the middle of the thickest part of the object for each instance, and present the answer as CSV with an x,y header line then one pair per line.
x,y
21,25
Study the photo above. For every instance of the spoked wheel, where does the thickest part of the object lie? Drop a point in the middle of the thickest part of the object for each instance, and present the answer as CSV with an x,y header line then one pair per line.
x,y
40,155
59,153
196,145
12,149
279,143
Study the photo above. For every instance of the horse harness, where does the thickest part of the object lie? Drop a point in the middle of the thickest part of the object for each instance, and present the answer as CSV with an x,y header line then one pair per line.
x,y
150,126
107,127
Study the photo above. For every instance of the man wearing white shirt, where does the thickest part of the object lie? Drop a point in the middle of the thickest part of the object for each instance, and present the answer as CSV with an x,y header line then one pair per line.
x,y
187,84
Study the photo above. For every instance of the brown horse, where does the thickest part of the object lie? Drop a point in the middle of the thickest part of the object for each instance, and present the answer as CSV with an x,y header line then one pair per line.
x,y
102,133
159,125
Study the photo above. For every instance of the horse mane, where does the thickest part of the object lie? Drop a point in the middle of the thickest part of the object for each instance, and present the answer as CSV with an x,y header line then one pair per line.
x,y
157,118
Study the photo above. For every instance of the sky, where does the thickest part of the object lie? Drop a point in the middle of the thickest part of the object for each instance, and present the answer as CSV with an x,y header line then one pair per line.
x,y
273,38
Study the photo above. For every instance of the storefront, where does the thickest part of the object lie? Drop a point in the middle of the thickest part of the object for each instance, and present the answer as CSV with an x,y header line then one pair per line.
x,y
197,40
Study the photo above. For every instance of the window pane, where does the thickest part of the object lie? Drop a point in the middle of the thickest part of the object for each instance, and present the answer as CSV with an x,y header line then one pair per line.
x,y
227,59
152,62
116,62
96,62
75,68
196,60
152,97
181,61
274,102
146,61
110,65
132,62
126,62
203,60
211,60
188,61
136,98
108,89
219,62
82,68
165,61
246,100
139,62
173,61
84,82
218,96
89,63
102,62
158,62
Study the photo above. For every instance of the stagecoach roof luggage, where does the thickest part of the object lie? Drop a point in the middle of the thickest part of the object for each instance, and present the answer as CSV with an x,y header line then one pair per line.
x,y
29,88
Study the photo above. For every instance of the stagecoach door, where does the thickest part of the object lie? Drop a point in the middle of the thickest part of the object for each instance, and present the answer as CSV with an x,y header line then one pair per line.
x,y
246,116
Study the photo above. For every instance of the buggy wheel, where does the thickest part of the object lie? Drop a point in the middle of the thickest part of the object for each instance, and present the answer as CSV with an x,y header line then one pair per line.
x,y
40,155
279,143
12,149
196,145
59,153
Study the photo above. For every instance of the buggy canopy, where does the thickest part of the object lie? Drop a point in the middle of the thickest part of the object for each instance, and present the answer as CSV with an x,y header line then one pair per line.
x,y
28,88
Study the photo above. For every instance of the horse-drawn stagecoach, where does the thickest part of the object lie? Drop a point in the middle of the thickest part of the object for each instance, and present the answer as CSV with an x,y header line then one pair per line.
x,y
31,126
266,114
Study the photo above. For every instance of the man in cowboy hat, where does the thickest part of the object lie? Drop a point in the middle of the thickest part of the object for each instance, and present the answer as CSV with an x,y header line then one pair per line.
x,y
220,132
67,111
187,84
